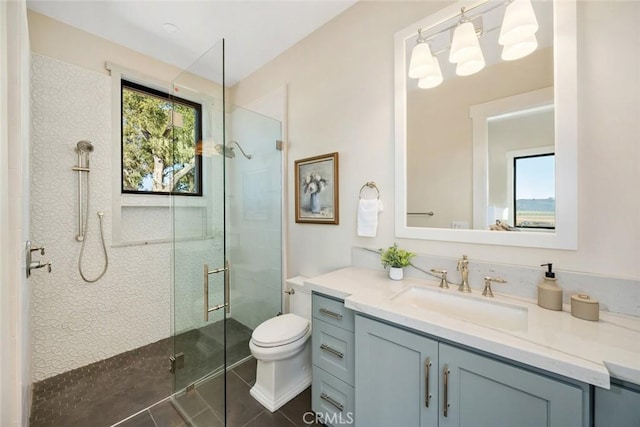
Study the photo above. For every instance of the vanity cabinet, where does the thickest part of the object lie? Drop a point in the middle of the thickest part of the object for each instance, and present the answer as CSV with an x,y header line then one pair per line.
x,y
619,406
333,358
404,378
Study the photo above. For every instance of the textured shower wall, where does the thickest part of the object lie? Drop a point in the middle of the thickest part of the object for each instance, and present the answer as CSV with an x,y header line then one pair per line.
x,y
74,322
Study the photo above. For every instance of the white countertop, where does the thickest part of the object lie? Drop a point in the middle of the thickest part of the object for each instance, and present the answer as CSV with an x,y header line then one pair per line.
x,y
554,341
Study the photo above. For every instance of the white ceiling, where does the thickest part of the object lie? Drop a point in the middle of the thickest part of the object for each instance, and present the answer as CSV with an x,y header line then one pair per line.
x,y
255,31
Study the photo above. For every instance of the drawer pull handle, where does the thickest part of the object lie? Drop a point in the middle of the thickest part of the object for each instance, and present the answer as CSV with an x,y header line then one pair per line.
x,y
445,373
427,396
332,350
330,313
332,401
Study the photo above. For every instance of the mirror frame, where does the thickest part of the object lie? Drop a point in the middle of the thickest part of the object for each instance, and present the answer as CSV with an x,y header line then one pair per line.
x,y
565,91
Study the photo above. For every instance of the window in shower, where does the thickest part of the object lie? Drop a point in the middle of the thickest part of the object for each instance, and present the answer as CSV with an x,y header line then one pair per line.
x,y
160,139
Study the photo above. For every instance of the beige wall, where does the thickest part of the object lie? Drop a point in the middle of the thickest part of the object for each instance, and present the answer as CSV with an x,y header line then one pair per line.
x,y
340,86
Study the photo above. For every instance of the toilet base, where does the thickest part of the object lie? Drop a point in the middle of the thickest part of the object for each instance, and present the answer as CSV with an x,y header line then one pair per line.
x,y
279,381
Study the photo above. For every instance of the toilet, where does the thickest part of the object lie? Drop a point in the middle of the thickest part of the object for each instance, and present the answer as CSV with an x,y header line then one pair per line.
x,y
282,348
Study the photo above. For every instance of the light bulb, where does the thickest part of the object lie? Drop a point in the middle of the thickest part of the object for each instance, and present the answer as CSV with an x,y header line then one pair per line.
x,y
465,43
519,22
518,50
433,78
421,61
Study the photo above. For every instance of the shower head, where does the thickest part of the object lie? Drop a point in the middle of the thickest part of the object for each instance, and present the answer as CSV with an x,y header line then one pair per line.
x,y
248,156
228,152
84,147
225,151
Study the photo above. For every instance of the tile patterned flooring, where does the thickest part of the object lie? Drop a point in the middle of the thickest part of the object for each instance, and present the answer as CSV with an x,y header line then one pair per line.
x,y
105,392
206,405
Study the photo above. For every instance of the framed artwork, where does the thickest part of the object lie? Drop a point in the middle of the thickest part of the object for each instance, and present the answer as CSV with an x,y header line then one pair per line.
x,y
317,189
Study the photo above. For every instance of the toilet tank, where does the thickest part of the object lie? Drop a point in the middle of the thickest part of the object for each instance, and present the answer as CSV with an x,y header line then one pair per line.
x,y
300,299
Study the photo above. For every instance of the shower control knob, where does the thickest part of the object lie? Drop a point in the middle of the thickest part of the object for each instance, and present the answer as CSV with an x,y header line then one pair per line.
x,y
40,264
38,249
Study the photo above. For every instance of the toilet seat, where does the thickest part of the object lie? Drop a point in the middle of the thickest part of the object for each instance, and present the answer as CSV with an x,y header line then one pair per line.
x,y
280,331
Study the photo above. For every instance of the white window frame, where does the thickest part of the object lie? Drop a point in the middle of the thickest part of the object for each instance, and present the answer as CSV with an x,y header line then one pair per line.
x,y
511,155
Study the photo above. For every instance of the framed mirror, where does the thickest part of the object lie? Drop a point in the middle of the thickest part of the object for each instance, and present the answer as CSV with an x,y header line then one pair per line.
x,y
488,153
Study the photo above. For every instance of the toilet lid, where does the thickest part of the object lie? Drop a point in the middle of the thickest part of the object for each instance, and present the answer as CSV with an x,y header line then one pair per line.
x,y
280,330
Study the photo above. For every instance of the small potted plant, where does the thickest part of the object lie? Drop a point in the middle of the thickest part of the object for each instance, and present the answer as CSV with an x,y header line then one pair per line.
x,y
396,259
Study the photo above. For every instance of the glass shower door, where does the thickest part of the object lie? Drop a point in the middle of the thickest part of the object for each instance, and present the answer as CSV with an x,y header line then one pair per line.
x,y
254,225
199,267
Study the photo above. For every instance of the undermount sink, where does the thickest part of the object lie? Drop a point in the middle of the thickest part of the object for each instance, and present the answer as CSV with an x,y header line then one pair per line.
x,y
486,312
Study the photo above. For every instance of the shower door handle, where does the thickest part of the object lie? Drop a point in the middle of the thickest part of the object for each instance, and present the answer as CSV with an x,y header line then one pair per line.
x,y
225,305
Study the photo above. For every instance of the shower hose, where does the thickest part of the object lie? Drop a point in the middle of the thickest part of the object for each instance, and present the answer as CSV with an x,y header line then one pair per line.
x,y
84,240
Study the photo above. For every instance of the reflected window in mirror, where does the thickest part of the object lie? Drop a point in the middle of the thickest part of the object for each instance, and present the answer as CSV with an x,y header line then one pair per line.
x,y
534,201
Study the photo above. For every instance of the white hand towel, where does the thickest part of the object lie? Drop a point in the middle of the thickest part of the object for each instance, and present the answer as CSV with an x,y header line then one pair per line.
x,y
368,217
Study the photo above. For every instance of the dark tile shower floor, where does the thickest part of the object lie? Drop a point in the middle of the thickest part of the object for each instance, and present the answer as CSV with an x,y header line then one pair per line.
x,y
206,405
105,392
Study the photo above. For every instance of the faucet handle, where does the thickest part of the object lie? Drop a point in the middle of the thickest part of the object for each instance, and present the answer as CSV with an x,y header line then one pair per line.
x,y
444,284
38,249
39,264
487,292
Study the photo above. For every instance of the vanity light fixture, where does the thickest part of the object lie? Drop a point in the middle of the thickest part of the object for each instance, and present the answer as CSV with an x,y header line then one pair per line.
x,y
519,22
423,65
517,37
421,59
465,44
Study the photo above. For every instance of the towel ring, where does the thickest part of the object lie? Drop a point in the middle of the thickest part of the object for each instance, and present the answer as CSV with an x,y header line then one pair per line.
x,y
371,185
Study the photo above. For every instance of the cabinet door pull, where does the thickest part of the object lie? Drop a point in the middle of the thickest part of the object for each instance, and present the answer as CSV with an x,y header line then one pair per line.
x,y
332,401
332,351
427,396
330,313
445,408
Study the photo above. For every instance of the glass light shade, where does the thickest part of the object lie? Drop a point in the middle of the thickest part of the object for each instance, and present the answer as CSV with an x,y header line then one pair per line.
x,y
421,61
471,65
520,49
519,22
465,43
433,78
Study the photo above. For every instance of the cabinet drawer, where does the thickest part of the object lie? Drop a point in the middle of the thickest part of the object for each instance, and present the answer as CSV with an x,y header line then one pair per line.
x,y
331,399
332,311
333,350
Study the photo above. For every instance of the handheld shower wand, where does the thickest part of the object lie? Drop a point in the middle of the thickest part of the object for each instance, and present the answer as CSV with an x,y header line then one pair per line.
x,y
83,148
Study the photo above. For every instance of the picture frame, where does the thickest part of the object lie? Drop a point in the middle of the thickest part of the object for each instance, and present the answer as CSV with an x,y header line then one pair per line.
x,y
316,192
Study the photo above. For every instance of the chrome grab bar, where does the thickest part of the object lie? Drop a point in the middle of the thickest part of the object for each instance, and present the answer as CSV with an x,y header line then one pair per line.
x,y
207,272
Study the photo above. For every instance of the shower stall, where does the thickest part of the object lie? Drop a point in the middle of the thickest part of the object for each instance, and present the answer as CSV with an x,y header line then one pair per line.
x,y
224,248
227,251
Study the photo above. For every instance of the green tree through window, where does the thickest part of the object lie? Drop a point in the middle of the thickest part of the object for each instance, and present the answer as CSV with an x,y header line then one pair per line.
x,y
160,136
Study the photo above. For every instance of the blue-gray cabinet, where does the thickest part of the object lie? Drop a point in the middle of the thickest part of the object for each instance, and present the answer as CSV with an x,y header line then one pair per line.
x,y
396,376
397,370
333,357
619,406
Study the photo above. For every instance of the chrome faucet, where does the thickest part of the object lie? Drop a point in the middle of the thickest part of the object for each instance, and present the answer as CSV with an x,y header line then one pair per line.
x,y
463,268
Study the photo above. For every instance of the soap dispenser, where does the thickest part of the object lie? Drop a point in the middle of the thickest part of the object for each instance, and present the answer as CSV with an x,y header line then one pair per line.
x,y
549,294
